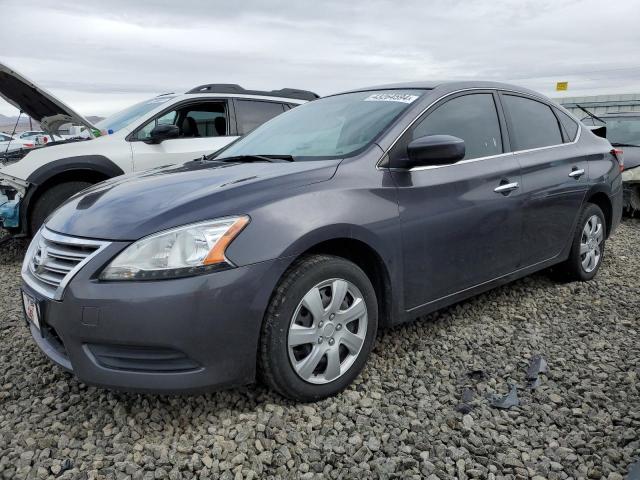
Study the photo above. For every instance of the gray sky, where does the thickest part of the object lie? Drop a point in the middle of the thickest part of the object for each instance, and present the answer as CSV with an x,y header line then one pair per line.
x,y
100,57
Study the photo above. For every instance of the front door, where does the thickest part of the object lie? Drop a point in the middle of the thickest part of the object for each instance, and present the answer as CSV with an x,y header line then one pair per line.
x,y
461,223
204,128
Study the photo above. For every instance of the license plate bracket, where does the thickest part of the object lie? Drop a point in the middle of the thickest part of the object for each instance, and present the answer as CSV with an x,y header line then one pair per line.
x,y
32,310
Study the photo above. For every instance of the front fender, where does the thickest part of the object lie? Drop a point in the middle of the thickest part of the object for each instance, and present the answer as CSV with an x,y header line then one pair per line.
x,y
91,163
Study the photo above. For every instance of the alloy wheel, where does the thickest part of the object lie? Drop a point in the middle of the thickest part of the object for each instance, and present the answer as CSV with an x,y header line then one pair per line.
x,y
327,331
591,243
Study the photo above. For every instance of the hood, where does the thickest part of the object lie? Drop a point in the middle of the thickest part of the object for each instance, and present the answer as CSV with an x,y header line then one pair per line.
x,y
37,102
132,206
34,158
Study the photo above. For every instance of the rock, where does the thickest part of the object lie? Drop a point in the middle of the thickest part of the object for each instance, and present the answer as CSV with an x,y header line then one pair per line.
x,y
467,421
555,398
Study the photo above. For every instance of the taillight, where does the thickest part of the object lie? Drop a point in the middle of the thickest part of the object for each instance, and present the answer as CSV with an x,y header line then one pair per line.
x,y
619,154
28,145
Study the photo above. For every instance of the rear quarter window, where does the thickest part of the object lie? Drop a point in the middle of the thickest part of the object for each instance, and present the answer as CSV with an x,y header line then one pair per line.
x,y
569,125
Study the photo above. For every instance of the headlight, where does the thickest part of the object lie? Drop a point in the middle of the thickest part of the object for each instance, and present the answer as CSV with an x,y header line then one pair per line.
x,y
179,252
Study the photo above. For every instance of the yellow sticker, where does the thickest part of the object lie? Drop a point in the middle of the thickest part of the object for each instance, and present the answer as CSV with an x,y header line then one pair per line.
x,y
562,86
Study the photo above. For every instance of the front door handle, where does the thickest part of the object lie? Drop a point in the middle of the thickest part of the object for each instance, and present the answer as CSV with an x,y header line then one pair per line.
x,y
505,188
576,173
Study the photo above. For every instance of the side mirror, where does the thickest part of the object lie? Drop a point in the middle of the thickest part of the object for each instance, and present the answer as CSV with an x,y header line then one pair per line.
x,y
434,150
160,133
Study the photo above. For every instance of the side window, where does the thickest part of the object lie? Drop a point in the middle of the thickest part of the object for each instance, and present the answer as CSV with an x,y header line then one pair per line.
x,y
195,120
533,124
569,126
167,118
473,118
253,113
208,120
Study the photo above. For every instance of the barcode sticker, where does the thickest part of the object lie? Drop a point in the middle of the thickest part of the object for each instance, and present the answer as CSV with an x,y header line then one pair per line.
x,y
391,97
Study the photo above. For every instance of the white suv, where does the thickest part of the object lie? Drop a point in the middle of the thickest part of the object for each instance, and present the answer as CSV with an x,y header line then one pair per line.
x,y
168,129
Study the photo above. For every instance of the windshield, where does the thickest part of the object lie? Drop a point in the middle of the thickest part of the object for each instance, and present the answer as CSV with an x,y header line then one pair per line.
x,y
332,127
623,130
123,118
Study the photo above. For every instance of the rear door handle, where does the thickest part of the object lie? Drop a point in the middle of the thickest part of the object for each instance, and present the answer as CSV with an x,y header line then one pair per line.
x,y
506,187
577,173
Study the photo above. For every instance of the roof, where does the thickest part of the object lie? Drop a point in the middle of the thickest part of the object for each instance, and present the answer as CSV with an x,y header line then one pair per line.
x,y
232,88
448,85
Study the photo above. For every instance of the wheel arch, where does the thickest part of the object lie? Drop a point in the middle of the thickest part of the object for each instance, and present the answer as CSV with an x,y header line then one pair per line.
x,y
602,200
85,168
364,254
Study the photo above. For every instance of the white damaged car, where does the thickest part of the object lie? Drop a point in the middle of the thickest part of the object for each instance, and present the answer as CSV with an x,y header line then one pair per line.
x,y
168,129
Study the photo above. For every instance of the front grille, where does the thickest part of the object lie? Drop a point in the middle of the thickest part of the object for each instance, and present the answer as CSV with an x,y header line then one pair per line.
x,y
53,259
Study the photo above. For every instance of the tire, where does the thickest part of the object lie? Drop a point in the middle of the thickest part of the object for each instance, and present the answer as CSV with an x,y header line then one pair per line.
x,y
315,278
51,199
576,267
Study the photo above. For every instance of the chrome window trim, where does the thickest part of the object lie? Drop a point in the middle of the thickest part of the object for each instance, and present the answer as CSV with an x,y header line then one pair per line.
x,y
462,162
47,234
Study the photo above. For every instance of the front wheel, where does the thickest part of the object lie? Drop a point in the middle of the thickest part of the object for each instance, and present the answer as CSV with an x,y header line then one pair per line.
x,y
51,199
587,249
319,328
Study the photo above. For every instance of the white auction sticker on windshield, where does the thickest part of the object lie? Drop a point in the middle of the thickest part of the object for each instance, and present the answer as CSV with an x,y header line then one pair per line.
x,y
391,97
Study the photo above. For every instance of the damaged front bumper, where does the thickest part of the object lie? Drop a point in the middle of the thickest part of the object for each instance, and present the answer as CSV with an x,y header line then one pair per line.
x,y
631,189
12,191
631,175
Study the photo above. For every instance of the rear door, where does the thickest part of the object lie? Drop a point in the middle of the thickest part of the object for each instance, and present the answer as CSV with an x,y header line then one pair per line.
x,y
554,174
250,113
457,230
205,126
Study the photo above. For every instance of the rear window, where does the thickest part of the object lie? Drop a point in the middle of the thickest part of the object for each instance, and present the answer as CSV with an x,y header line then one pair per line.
x,y
533,124
569,125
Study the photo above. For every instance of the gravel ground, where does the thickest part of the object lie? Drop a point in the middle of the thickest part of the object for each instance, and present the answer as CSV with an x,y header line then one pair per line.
x,y
400,419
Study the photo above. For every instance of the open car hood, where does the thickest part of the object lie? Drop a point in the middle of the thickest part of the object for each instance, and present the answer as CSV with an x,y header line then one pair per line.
x,y
37,102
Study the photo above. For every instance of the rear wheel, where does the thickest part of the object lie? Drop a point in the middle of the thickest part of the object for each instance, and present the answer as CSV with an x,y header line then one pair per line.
x,y
51,199
319,329
587,249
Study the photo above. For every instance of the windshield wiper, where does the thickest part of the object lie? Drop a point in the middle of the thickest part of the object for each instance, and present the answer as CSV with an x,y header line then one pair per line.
x,y
592,115
619,144
256,158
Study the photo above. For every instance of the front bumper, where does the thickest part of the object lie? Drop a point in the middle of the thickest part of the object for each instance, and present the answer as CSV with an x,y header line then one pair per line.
x,y
631,184
631,176
184,335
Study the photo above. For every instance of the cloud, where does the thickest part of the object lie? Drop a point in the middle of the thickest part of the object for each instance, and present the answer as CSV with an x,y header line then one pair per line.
x,y
101,56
